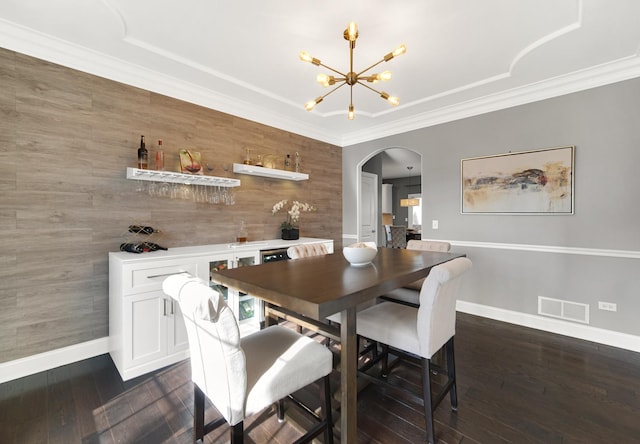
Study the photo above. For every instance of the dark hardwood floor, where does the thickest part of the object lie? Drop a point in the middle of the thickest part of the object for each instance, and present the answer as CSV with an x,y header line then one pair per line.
x,y
515,385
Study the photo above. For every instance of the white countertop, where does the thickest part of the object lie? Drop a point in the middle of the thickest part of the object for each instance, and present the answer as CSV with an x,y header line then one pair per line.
x,y
177,252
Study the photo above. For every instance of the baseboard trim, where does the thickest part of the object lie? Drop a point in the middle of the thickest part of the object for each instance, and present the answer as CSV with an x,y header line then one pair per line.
x,y
579,331
55,358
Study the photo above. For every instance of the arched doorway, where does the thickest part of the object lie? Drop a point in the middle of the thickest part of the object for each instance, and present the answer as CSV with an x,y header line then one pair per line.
x,y
390,166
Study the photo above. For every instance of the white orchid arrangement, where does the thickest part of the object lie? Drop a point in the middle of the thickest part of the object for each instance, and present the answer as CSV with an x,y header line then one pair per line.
x,y
294,208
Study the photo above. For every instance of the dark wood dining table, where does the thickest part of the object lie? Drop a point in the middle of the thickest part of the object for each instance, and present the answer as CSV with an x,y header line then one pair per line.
x,y
316,287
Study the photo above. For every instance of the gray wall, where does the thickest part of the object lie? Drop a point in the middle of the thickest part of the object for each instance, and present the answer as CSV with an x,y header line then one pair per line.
x,y
603,125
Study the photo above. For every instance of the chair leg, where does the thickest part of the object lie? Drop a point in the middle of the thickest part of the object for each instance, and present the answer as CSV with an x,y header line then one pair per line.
x,y
451,372
198,413
237,433
325,400
280,410
384,372
428,402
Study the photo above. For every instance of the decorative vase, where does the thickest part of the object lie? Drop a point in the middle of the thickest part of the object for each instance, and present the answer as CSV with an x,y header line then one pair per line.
x,y
290,234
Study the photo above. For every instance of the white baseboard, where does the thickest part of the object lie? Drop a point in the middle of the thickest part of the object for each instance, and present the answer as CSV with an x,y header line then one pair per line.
x,y
55,358
579,331
67,355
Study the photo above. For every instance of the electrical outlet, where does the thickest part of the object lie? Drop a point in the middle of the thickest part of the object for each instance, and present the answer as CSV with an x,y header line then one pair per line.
x,y
609,306
434,224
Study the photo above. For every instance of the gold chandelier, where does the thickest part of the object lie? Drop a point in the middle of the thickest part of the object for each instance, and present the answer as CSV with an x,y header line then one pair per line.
x,y
352,78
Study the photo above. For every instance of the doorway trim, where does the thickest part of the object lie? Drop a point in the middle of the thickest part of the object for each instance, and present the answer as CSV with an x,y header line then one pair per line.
x,y
359,166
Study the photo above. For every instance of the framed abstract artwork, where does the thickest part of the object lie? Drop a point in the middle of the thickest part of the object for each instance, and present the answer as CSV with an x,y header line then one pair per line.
x,y
527,182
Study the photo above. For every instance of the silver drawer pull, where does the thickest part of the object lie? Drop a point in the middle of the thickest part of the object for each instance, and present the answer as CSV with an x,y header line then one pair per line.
x,y
165,274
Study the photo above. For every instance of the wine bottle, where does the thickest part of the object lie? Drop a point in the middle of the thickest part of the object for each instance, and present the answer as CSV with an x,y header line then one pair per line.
x,y
151,246
160,157
141,229
242,235
143,155
131,248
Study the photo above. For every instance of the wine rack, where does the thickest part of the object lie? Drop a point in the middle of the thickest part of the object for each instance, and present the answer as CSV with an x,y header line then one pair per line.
x,y
181,178
141,238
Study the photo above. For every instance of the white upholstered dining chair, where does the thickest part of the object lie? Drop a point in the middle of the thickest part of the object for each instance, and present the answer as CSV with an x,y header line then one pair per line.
x,y
428,245
306,250
302,251
410,294
242,376
420,332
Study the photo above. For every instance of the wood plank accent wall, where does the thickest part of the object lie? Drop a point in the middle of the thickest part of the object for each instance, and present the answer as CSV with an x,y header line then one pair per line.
x,y
66,138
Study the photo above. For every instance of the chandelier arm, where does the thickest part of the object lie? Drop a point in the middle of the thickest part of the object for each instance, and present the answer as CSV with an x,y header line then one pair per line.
x,y
334,70
334,89
372,66
367,86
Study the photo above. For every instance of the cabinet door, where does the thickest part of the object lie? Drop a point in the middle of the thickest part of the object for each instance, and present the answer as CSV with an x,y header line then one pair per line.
x,y
145,329
248,307
216,264
245,307
176,331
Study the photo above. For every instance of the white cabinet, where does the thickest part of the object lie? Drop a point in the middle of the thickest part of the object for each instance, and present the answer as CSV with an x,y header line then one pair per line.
x,y
146,329
387,193
155,328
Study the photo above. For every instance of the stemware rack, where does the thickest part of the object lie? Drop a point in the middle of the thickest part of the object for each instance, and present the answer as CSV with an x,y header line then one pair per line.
x,y
181,178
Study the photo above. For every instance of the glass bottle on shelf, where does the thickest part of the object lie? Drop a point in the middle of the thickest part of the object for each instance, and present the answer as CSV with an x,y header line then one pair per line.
x,y
296,162
143,155
247,157
287,162
242,235
160,157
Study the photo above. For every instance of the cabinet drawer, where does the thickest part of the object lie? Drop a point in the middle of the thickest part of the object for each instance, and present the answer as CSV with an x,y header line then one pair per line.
x,y
140,278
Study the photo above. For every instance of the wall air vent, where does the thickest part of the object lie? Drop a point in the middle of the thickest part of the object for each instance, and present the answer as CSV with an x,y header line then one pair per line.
x,y
567,310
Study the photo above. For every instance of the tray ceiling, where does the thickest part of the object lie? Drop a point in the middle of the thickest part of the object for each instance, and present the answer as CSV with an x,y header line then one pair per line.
x,y
464,57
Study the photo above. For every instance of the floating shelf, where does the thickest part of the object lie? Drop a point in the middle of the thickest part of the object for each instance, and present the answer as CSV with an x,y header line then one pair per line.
x,y
268,172
187,179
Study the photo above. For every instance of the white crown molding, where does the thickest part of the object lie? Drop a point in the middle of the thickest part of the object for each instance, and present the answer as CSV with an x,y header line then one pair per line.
x,y
605,74
45,47
36,44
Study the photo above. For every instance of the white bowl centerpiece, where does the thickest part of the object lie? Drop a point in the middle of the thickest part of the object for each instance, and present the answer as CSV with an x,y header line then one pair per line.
x,y
360,253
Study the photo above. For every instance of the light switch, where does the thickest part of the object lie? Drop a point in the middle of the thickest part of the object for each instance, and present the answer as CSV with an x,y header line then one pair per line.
x,y
434,224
